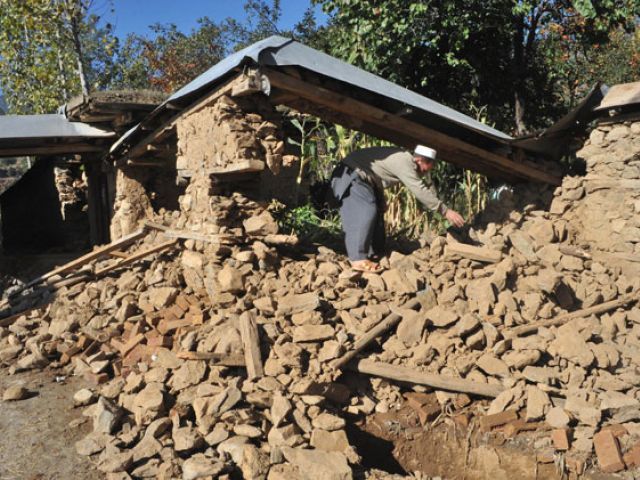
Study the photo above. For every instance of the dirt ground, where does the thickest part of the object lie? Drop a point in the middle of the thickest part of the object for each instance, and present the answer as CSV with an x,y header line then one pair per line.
x,y
38,433
403,446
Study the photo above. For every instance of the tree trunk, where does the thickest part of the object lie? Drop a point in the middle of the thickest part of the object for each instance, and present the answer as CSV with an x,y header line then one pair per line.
x,y
74,10
518,76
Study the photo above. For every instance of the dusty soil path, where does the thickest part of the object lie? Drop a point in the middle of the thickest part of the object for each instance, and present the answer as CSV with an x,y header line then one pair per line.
x,y
37,435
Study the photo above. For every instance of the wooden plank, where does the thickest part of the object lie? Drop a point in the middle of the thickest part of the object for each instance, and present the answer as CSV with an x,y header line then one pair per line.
x,y
156,226
422,134
361,343
224,360
52,150
84,259
562,319
439,382
118,254
222,239
480,254
251,344
137,256
243,166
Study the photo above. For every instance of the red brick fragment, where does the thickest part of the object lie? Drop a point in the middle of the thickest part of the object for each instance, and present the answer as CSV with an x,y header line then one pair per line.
x,y
168,326
608,452
489,421
183,302
425,405
177,311
156,340
131,343
560,438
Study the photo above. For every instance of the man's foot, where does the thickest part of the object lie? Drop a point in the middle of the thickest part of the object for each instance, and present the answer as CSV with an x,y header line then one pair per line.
x,y
366,266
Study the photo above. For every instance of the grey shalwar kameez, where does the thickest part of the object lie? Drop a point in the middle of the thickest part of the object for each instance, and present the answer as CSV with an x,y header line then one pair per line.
x,y
358,185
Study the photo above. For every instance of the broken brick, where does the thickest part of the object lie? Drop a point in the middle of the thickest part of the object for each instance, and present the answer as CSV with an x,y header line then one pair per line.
x,y
489,421
425,406
608,452
560,438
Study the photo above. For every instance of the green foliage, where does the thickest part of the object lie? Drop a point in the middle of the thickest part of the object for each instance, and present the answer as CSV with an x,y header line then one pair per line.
x,y
307,223
168,58
465,52
40,59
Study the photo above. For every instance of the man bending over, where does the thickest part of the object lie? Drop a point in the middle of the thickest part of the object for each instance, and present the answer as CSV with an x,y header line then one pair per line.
x,y
358,185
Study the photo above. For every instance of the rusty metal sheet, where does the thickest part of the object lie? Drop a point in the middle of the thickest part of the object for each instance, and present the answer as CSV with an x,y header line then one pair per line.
x,y
621,95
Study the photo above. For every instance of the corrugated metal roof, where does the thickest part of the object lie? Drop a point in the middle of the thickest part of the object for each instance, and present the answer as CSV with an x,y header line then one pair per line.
x,y
22,127
280,52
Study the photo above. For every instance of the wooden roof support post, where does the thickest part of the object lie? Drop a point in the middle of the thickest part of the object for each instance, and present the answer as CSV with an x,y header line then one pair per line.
x,y
449,146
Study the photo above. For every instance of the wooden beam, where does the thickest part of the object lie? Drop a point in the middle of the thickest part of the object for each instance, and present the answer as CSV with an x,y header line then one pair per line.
x,y
251,344
243,166
8,321
562,319
52,150
399,138
439,382
84,259
220,239
422,134
361,343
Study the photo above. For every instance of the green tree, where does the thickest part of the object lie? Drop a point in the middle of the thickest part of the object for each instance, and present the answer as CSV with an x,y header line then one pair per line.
x,y
471,52
50,50
263,19
167,59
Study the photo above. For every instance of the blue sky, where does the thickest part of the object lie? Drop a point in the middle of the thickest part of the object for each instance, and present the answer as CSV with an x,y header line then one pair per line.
x,y
135,16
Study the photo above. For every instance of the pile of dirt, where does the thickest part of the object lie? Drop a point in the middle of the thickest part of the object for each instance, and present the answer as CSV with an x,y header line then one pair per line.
x,y
224,351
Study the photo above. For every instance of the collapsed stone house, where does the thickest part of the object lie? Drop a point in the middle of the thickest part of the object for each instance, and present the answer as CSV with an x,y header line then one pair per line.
x,y
201,167
226,128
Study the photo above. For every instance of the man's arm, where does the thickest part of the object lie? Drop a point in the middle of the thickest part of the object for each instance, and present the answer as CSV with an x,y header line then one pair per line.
x,y
426,195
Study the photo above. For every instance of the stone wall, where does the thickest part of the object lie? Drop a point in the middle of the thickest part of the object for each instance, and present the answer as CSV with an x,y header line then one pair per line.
x,y
603,207
228,131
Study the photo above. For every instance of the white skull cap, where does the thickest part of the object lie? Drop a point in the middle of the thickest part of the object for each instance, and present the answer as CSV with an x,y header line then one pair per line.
x,y
425,152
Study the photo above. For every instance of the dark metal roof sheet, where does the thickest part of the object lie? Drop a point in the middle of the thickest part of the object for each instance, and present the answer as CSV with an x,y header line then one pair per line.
x,y
280,52
554,141
22,127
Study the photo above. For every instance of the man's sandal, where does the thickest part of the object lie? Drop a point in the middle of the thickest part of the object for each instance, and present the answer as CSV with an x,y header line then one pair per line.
x,y
366,266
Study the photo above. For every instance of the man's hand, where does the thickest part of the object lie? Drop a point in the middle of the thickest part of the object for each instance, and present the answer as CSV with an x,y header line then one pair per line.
x,y
455,218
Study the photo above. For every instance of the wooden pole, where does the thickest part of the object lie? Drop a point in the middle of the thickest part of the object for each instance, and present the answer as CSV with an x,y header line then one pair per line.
x,y
361,343
562,319
251,343
439,382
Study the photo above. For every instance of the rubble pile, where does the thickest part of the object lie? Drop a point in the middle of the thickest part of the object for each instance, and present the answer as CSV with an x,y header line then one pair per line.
x,y
219,355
